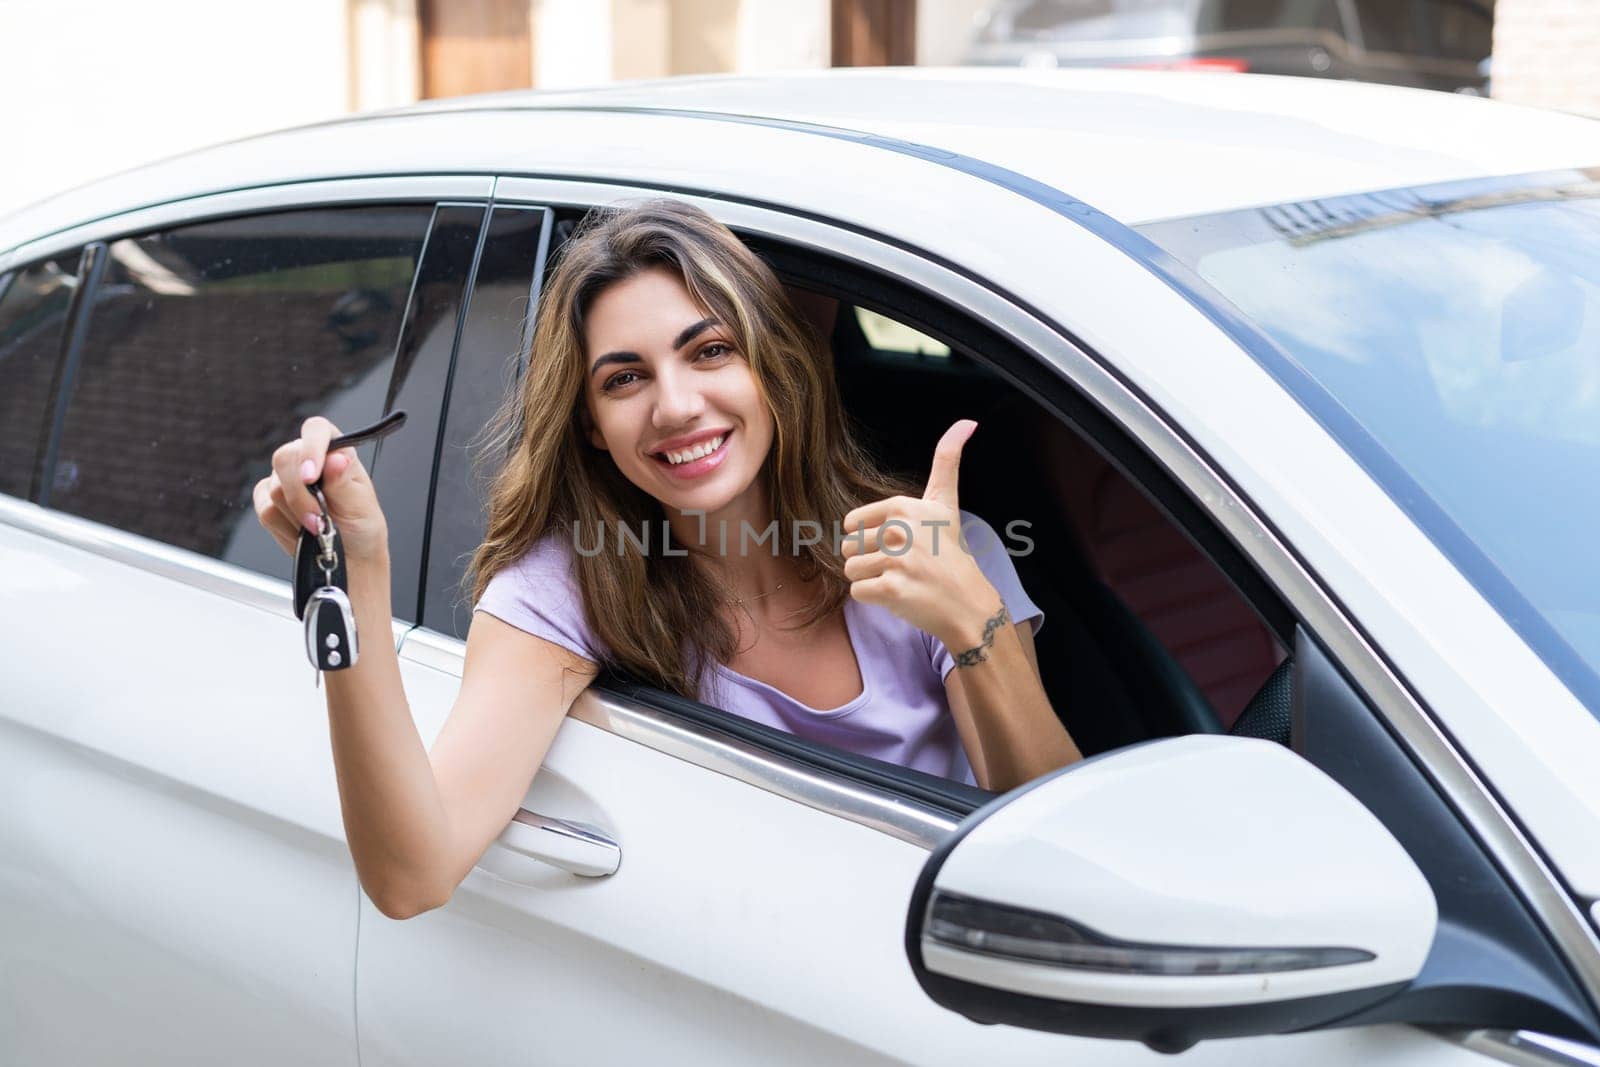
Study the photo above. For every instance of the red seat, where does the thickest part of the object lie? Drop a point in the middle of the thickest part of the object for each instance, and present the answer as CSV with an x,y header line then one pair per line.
x,y
1182,598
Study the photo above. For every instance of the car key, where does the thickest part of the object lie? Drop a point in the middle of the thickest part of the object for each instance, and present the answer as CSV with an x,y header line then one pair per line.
x,y
330,631
321,583
310,546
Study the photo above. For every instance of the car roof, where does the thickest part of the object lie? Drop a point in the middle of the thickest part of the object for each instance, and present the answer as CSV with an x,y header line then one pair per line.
x,y
1137,145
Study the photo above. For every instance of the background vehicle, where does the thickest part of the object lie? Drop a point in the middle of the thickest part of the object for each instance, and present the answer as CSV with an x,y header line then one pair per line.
x,y
1428,44
1217,550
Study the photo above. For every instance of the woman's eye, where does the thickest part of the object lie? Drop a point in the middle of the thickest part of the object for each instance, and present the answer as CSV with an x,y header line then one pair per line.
x,y
716,350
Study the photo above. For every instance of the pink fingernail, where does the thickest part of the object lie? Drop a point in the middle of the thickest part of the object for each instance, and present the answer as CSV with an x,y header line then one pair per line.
x,y
313,523
308,469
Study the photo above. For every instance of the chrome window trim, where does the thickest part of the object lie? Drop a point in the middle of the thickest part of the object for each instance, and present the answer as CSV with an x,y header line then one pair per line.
x,y
1418,731
835,794
273,595
1426,741
253,199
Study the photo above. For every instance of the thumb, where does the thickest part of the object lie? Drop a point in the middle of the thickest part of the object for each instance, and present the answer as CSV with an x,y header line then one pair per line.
x,y
335,466
341,471
946,472
341,486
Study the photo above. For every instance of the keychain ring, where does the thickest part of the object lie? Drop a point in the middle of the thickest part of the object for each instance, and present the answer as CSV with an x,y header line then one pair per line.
x,y
327,558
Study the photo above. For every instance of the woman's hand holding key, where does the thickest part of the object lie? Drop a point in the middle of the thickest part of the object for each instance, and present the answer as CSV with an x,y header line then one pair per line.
x,y
285,504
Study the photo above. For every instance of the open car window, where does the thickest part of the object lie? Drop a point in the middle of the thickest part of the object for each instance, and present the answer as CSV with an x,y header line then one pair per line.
x,y
1144,636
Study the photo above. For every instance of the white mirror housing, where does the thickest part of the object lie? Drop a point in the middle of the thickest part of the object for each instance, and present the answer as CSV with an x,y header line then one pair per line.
x,y
1183,889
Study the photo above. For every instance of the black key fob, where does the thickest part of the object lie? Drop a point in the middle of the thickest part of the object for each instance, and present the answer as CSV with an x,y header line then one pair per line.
x,y
331,630
321,597
309,575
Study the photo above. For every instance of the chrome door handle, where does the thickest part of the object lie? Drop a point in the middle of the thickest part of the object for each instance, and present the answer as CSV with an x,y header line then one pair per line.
x,y
572,846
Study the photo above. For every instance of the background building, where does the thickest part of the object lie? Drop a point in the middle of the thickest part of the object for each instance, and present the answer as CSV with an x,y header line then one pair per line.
x,y
1547,53
96,86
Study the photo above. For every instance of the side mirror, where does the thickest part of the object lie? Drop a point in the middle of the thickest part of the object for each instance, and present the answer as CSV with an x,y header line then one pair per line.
x,y
1191,888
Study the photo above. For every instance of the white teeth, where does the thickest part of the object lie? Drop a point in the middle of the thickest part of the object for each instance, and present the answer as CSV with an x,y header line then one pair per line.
x,y
705,448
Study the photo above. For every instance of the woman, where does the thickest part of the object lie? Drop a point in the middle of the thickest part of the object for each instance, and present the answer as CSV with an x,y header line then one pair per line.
x,y
677,464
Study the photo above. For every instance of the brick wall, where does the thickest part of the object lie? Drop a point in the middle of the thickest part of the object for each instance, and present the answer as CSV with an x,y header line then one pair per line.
x,y
1547,53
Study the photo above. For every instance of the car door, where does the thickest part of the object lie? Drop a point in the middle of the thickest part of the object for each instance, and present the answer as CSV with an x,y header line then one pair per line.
x,y
679,887
177,887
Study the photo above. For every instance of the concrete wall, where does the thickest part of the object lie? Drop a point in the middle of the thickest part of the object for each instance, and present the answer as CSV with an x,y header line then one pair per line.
x,y
943,29
783,35
641,45
572,43
383,53
1547,53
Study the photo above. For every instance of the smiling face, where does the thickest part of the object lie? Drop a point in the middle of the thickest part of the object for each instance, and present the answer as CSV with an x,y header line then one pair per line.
x,y
673,399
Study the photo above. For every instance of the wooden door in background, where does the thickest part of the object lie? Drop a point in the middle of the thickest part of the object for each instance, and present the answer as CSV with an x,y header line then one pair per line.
x,y
475,46
874,33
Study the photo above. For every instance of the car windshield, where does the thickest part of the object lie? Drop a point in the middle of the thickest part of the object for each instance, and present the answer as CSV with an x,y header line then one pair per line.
x,y
1449,337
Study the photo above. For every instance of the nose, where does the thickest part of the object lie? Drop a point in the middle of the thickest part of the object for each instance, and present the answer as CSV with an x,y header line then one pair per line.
x,y
678,398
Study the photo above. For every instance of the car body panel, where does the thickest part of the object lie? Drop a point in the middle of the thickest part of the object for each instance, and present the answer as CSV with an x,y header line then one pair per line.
x,y
158,846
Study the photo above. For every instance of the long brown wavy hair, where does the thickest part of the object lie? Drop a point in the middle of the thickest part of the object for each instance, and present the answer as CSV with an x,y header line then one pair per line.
x,y
640,609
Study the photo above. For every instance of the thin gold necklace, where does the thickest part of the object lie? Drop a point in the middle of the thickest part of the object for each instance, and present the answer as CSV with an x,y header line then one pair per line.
x,y
742,600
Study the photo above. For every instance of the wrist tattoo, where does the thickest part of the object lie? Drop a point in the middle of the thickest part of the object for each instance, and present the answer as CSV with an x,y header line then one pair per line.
x,y
980,652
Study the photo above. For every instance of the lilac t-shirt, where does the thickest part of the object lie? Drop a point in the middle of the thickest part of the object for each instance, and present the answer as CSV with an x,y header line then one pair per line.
x,y
901,715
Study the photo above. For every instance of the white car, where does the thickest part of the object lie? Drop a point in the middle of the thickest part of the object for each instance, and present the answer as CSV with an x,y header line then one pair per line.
x,y
1296,385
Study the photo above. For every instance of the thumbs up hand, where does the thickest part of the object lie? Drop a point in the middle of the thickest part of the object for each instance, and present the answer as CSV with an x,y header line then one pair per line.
x,y
905,553
946,471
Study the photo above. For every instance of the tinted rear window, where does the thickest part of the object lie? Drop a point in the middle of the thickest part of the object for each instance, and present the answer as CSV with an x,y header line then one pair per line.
x,y
33,317
206,348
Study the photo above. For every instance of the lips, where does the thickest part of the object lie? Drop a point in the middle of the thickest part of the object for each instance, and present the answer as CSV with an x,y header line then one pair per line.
x,y
688,441
690,464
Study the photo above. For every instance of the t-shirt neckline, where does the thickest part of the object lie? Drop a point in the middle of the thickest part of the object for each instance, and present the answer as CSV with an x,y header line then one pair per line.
x,y
850,625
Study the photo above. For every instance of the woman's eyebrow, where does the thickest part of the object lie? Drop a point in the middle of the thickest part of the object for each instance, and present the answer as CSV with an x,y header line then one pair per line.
x,y
689,332
684,337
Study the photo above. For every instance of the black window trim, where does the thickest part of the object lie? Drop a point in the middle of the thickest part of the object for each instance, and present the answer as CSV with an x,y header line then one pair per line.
x,y
546,244
91,266
409,583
